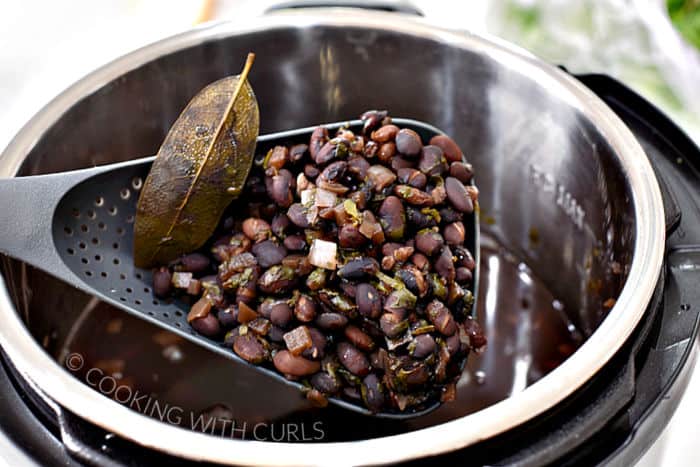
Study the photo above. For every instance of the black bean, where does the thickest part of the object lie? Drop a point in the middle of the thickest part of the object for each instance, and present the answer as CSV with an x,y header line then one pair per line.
x,y
413,195
429,242
440,316
250,348
295,242
392,217
372,119
359,338
350,237
432,161
318,138
288,364
408,142
280,314
359,268
318,348
449,215
256,229
385,133
368,300
424,345
477,338
297,152
351,358
280,224
207,325
444,265
334,172
311,171
464,257
458,195
461,171
195,263
412,177
373,393
276,334
463,275
449,147
298,214
227,317
331,321
358,167
420,220
392,325
454,233
279,189
162,282
386,152
325,383
398,163
269,253
305,309
414,280
277,280
380,177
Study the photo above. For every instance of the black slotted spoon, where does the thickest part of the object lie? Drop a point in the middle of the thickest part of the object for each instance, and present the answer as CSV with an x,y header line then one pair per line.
x,y
78,226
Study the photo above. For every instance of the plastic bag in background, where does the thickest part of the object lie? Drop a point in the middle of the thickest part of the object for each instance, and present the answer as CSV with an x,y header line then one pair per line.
x,y
631,40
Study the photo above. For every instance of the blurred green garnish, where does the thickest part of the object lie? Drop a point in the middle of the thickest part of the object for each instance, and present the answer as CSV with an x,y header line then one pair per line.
x,y
685,15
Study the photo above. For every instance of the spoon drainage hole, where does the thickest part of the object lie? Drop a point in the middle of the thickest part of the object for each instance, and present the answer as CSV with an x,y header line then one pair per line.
x,y
150,313
130,219
99,201
95,241
138,302
91,214
103,274
102,226
165,315
84,260
98,258
122,299
82,245
124,193
70,251
129,290
137,183
88,273
115,246
122,277
120,231
178,313
155,302
112,211
116,261
139,276
68,231
177,325
147,290
84,228
75,212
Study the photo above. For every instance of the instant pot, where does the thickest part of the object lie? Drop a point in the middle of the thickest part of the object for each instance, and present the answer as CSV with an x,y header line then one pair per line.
x,y
590,260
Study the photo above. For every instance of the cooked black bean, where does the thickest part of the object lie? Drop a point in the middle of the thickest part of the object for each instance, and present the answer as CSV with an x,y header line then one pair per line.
x,y
269,253
432,161
464,258
298,214
256,229
318,345
350,237
412,177
325,383
373,392
458,195
311,171
277,280
372,119
477,338
359,268
331,321
429,242
454,233
463,275
386,152
288,364
385,133
444,265
279,189
227,318
351,358
280,314
297,152
424,345
250,348
359,338
392,325
318,138
368,300
392,217
196,263
448,146
358,167
295,243
335,171
305,309
408,142
280,224
398,163
440,316
162,282
461,171
207,325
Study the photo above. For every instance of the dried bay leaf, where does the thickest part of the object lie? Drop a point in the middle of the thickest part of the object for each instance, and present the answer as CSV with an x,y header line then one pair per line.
x,y
200,168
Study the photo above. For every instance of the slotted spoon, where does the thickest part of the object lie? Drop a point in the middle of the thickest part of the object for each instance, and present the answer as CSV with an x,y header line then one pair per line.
x,y
78,226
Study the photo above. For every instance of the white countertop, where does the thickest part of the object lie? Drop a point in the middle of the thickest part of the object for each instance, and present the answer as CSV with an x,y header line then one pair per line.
x,y
45,46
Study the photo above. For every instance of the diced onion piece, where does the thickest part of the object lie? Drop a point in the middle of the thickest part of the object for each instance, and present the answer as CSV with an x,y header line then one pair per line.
x,y
323,254
325,198
181,280
308,196
298,340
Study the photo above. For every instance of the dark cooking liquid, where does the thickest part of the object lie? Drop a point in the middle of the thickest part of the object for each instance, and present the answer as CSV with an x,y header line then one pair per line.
x,y
527,330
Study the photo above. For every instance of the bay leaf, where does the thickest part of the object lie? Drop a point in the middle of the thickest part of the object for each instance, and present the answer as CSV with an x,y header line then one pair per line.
x,y
200,168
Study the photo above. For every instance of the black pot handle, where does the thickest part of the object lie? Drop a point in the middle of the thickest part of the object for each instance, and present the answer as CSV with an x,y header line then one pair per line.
x,y
656,124
397,6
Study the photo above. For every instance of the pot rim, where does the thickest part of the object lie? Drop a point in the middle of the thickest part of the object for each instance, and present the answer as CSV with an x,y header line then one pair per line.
x,y
36,365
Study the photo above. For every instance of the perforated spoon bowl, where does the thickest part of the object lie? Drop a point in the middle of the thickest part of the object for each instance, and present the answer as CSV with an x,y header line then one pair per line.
x,y
78,226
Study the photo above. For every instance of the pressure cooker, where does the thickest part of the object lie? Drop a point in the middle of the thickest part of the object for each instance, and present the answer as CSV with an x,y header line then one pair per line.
x,y
589,258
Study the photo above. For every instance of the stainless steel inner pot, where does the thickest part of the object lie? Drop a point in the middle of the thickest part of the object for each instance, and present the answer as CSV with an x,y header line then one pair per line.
x,y
563,184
